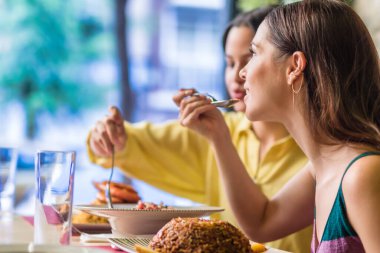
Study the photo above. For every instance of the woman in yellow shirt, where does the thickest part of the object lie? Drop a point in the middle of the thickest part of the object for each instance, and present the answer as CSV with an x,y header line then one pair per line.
x,y
179,161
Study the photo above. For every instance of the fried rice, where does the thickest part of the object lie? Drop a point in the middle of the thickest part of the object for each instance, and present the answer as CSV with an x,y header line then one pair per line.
x,y
197,235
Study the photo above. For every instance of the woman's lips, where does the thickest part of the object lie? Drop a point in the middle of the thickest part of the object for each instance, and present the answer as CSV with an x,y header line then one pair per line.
x,y
238,95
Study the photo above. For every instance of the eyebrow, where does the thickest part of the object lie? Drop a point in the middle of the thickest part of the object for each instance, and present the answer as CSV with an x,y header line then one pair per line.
x,y
230,56
255,45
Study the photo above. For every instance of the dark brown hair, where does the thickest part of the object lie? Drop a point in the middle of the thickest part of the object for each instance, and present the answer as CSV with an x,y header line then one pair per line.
x,y
341,78
251,19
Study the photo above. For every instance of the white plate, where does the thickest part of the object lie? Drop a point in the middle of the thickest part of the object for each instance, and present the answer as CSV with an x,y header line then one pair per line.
x,y
30,248
126,220
128,244
92,228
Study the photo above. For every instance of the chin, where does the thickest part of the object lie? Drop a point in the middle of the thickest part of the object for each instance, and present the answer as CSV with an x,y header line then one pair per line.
x,y
254,115
239,107
250,117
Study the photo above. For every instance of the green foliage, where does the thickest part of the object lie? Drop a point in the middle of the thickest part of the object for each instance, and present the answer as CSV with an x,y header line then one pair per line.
x,y
50,42
245,5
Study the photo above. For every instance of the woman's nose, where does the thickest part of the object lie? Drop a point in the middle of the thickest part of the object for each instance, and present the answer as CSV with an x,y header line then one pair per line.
x,y
242,73
236,76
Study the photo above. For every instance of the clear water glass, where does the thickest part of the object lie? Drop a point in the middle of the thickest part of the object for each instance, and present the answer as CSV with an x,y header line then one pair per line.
x,y
54,174
8,163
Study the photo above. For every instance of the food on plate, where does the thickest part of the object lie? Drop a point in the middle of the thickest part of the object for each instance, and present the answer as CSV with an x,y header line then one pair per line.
x,y
199,235
86,218
141,205
120,193
258,247
143,249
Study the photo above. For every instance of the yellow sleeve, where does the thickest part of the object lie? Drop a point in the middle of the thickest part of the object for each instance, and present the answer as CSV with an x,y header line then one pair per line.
x,y
167,156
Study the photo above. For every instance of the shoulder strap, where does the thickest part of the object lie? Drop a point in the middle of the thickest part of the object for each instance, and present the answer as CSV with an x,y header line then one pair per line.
x,y
368,153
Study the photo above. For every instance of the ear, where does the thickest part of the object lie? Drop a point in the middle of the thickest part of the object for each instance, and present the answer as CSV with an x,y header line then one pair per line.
x,y
297,64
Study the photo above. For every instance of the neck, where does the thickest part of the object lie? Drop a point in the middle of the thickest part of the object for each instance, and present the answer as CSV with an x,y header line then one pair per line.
x,y
268,133
323,157
300,131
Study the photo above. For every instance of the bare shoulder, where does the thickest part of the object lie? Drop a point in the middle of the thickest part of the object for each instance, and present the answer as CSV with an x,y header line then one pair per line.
x,y
364,175
361,188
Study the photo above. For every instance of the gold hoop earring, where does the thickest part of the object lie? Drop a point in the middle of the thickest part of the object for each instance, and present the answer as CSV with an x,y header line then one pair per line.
x,y
296,91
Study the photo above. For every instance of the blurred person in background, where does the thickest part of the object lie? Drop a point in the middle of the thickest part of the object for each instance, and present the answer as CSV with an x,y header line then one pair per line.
x,y
314,68
180,161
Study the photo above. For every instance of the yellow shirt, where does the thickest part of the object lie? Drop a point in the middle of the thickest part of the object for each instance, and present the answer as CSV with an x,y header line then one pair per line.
x,y
179,161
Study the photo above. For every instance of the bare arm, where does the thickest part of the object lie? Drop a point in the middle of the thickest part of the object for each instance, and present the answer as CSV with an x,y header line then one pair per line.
x,y
264,219
260,218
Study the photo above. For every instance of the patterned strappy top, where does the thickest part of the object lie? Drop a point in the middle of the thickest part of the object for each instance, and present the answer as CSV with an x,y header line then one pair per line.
x,y
339,236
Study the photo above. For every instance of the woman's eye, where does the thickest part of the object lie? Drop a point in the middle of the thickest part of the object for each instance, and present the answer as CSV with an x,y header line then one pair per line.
x,y
230,64
251,51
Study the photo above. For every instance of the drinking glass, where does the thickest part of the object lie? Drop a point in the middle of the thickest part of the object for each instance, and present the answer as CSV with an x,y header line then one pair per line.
x,y
54,171
8,162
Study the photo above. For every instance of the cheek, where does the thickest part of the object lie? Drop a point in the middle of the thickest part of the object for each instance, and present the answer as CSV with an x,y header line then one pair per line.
x,y
226,70
258,102
228,77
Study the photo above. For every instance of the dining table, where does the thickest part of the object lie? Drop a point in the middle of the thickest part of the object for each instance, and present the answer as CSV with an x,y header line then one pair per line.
x,y
17,229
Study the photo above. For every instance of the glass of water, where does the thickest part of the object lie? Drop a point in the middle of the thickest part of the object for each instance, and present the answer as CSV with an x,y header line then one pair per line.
x,y
54,171
8,163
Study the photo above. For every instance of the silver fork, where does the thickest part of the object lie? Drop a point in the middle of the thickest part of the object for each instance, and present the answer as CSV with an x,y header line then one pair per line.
x,y
219,103
108,191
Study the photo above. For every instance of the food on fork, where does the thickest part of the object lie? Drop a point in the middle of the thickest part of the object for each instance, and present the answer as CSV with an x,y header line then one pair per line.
x,y
199,235
120,193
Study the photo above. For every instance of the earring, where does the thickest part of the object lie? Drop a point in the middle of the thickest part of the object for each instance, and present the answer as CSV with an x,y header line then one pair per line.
x,y
296,91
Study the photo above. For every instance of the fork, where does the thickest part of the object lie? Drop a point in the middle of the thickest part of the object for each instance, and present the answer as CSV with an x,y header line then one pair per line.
x,y
209,96
218,103
108,191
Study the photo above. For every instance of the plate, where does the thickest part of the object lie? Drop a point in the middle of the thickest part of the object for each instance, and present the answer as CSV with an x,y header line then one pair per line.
x,y
93,228
30,248
128,244
126,220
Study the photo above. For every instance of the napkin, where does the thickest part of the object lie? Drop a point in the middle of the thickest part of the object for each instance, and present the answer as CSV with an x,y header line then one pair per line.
x,y
95,239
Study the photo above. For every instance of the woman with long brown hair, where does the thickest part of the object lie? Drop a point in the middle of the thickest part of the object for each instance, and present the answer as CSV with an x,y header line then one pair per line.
x,y
314,68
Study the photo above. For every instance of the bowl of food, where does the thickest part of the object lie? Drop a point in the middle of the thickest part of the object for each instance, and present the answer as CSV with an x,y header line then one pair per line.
x,y
144,217
90,223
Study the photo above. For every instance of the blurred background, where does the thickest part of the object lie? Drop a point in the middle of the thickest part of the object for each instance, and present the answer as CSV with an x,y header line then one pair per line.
x,y
63,63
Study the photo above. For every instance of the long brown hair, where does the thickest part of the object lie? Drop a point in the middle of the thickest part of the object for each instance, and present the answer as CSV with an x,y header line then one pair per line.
x,y
341,78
